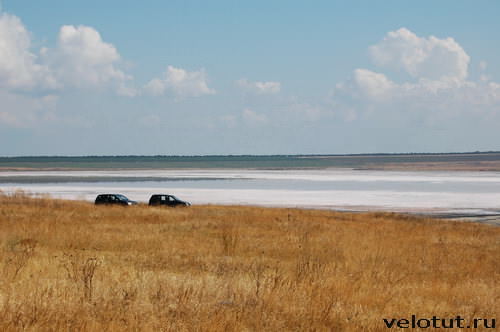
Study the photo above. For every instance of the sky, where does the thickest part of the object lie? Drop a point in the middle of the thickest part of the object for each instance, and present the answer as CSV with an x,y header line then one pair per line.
x,y
248,77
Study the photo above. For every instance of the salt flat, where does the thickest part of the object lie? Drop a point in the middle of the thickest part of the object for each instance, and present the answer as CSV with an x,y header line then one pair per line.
x,y
435,192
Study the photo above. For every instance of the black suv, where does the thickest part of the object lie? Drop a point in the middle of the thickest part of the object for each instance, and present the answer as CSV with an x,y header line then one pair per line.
x,y
168,200
115,199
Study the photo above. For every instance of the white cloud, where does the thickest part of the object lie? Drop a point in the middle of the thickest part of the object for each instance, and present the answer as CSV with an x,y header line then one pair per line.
x,y
19,67
438,92
374,92
156,87
181,83
82,59
431,58
22,73
374,85
30,80
259,87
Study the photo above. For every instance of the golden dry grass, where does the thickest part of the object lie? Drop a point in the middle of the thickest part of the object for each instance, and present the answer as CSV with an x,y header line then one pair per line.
x,y
71,266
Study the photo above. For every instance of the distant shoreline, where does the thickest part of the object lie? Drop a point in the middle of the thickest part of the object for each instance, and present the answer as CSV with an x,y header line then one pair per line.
x,y
414,167
474,161
313,155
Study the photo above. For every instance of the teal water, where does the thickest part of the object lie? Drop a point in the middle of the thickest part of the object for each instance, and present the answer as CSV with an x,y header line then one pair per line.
x,y
261,162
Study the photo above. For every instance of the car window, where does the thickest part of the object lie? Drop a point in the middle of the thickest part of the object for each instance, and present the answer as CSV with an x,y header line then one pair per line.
x,y
121,198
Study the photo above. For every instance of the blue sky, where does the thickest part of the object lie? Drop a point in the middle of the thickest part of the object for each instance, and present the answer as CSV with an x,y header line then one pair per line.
x,y
260,77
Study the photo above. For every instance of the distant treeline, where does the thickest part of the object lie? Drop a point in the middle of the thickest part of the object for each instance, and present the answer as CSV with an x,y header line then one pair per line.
x,y
239,161
224,157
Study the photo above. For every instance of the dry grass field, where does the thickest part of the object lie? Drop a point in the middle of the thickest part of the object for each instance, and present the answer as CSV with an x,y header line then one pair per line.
x,y
71,266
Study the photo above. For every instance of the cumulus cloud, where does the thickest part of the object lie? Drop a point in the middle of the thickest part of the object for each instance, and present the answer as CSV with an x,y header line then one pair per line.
x,y
259,88
431,58
181,83
82,59
374,85
19,66
373,96
30,80
24,78
438,89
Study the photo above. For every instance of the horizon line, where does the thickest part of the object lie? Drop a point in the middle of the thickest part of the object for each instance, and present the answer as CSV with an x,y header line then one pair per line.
x,y
256,155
